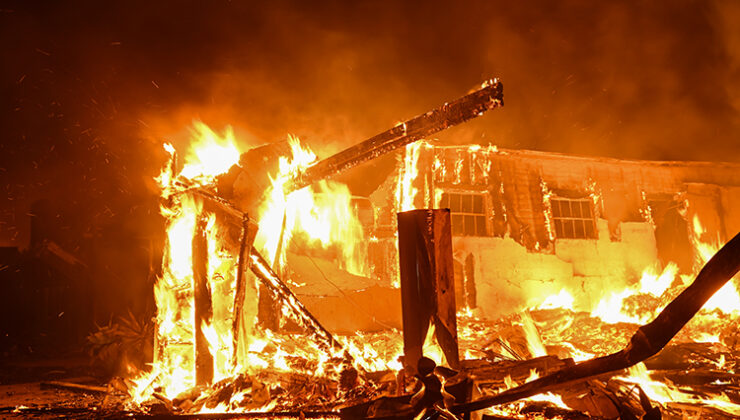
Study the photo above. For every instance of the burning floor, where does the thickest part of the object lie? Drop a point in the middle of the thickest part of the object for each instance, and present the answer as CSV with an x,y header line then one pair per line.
x,y
231,338
688,379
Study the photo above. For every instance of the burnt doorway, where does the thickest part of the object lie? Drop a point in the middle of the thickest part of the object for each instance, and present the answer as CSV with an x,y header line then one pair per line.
x,y
672,232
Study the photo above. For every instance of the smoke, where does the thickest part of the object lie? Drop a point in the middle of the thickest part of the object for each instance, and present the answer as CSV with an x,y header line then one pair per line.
x,y
91,89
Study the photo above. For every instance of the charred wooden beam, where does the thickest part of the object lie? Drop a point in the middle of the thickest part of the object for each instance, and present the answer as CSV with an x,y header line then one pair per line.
x,y
202,303
427,283
489,96
647,341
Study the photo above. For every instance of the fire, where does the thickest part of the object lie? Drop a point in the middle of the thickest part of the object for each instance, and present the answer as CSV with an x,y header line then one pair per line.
x,y
667,393
727,299
174,362
534,341
547,206
316,217
405,189
611,308
209,154
562,300
320,217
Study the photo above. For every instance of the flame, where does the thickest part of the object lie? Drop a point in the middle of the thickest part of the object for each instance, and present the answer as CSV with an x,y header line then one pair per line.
x,y
320,216
727,299
534,341
547,206
174,362
611,308
210,154
432,349
405,189
667,393
562,300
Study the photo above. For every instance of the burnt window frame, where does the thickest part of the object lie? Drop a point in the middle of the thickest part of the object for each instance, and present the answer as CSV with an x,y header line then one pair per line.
x,y
573,223
478,214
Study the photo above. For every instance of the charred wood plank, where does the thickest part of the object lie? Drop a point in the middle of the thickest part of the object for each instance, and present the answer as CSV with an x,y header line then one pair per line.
x,y
427,282
202,303
647,341
489,96
212,202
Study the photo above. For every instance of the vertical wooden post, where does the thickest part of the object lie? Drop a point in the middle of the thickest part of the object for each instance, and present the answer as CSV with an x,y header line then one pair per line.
x,y
202,303
427,282
248,233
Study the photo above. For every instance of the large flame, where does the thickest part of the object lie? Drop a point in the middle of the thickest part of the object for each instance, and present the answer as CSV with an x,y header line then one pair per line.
x,y
209,154
727,299
174,360
320,216
406,190
317,217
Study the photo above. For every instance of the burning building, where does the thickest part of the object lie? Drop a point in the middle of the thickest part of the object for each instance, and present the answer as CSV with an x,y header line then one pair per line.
x,y
473,279
510,273
527,224
244,320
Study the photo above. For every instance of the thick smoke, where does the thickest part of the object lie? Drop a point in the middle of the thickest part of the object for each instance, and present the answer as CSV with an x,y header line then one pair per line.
x,y
90,89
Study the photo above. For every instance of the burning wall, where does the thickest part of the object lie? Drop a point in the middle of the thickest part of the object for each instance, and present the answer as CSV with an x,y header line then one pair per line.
x,y
531,223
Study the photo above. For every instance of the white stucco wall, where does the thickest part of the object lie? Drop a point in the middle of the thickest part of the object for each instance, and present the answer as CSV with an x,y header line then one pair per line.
x,y
508,277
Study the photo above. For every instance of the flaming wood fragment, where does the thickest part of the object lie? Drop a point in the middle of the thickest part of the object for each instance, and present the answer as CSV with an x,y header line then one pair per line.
x,y
490,374
647,341
212,202
259,163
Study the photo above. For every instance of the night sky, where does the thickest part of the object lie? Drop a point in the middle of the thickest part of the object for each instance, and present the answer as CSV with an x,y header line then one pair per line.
x,y
91,89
